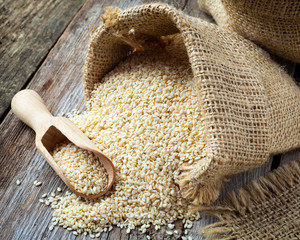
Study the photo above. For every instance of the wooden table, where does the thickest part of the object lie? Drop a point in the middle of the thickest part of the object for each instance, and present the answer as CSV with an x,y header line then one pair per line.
x,y
43,48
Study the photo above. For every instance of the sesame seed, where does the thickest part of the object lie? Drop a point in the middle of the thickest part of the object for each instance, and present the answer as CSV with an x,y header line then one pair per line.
x,y
145,116
37,184
18,182
171,226
59,189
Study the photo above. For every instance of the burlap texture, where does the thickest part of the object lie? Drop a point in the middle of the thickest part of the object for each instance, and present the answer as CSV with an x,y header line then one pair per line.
x,y
251,107
267,208
274,24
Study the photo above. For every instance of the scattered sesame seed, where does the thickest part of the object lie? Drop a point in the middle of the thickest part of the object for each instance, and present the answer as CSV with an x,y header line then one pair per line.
x,y
18,182
51,228
52,194
59,189
41,201
44,195
37,184
169,232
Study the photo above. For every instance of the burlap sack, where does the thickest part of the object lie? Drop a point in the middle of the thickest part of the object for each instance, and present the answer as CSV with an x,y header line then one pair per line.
x,y
275,24
251,107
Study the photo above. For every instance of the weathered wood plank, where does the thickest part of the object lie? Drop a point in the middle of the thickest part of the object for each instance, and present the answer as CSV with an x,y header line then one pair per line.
x,y
29,29
290,156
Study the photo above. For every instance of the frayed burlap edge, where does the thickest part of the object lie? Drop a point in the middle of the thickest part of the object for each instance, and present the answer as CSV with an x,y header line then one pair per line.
x,y
277,191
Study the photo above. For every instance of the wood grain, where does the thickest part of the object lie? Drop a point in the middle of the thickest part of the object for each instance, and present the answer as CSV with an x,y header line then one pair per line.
x,y
59,82
29,29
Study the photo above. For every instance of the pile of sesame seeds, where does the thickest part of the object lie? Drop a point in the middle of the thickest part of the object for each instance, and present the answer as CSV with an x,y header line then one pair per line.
x,y
146,118
82,168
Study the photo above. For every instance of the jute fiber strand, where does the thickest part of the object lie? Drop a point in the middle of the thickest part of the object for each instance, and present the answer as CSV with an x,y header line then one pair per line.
x,y
268,208
274,24
251,107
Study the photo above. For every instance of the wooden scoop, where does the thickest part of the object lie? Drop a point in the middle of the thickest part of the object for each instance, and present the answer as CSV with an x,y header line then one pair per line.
x,y
50,131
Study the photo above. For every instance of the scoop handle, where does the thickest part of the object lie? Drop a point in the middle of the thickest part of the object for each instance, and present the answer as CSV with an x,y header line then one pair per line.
x,y
29,107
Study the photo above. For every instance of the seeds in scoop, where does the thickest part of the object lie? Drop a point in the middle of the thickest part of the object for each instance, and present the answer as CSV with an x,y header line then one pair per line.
x,y
81,167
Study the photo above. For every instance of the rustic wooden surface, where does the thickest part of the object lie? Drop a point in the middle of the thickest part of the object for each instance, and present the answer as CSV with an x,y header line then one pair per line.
x,y
29,29
58,79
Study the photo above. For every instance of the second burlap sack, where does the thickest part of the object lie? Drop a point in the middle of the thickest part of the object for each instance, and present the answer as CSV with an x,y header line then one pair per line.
x,y
251,107
274,24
